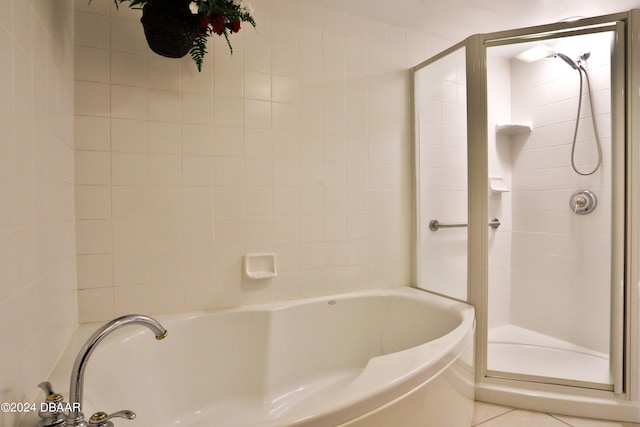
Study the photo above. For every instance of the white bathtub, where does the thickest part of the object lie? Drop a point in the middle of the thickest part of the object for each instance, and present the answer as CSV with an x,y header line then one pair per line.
x,y
393,357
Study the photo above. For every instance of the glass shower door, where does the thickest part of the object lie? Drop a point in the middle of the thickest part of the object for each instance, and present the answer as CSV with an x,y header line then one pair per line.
x,y
554,284
551,183
441,162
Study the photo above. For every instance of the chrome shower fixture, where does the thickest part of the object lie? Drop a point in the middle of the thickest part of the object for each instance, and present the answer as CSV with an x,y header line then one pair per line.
x,y
568,60
583,202
576,65
543,51
580,69
584,57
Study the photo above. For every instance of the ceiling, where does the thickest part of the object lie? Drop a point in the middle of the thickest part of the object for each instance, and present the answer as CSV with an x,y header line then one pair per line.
x,y
454,20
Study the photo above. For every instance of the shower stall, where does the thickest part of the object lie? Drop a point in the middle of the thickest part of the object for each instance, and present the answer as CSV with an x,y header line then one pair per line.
x,y
526,207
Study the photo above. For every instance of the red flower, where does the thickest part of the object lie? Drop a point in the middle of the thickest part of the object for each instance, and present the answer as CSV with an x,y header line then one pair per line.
x,y
217,24
204,23
235,26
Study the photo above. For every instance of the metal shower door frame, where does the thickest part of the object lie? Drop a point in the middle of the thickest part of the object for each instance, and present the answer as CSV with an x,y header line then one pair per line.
x,y
624,323
625,280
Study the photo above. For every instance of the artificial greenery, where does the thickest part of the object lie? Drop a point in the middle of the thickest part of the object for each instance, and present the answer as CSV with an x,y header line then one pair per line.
x,y
219,17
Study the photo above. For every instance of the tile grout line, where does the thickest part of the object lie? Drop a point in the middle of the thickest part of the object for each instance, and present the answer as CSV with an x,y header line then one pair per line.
x,y
493,418
562,421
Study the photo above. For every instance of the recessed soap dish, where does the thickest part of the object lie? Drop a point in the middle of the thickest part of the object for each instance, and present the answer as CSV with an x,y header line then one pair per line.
x,y
260,266
496,183
513,128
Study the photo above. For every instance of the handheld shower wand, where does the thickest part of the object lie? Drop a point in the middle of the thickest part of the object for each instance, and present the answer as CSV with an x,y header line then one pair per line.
x,y
568,60
542,51
577,65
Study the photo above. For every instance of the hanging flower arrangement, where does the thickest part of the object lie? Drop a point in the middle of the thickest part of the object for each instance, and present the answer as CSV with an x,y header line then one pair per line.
x,y
174,28
218,17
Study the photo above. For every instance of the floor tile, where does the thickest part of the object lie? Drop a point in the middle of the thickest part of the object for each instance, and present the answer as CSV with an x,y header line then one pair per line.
x,y
521,418
485,411
583,422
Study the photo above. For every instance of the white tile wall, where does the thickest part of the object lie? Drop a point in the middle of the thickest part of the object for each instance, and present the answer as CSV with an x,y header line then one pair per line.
x,y
298,143
38,307
500,148
561,261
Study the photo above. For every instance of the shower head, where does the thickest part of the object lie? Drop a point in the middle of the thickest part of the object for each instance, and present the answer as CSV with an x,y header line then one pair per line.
x,y
568,60
542,51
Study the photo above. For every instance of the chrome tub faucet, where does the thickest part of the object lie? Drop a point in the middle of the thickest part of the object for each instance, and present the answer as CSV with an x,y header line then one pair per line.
x,y
75,417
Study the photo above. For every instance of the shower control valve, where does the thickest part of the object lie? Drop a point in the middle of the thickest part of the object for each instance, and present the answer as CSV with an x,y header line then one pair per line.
x,y
583,202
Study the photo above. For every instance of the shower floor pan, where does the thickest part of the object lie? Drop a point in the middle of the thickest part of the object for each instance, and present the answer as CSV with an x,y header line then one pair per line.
x,y
521,351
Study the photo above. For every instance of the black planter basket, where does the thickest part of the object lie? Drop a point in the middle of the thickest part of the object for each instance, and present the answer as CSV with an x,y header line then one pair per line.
x,y
170,27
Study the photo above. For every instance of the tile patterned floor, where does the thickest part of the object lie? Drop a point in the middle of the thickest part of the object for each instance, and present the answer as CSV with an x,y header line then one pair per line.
x,y
488,415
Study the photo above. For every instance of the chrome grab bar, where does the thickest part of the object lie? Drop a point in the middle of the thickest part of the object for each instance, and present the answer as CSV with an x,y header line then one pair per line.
x,y
435,225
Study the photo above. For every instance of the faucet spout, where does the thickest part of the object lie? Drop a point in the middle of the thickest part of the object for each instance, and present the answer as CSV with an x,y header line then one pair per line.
x,y
76,418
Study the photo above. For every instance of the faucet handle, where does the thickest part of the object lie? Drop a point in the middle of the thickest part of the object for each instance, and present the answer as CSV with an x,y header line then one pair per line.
x,y
51,410
52,396
101,419
46,387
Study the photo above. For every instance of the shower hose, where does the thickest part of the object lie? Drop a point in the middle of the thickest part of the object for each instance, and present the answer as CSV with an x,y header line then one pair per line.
x,y
595,126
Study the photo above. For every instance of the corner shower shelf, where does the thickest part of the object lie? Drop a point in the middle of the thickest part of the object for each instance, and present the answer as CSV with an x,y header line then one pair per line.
x,y
513,128
497,185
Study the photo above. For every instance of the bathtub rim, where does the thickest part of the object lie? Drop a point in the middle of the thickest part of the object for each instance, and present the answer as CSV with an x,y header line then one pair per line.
x,y
448,349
